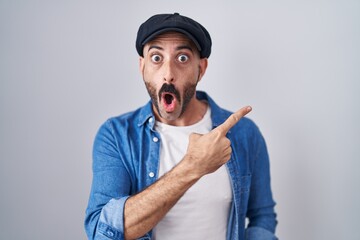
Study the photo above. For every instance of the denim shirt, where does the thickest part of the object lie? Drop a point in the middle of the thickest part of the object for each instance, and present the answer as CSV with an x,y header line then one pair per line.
x,y
126,160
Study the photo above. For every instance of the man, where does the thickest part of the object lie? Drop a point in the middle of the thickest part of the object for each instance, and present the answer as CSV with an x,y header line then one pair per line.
x,y
180,167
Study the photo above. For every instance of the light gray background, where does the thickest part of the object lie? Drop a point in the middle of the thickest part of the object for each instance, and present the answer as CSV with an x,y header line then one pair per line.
x,y
66,66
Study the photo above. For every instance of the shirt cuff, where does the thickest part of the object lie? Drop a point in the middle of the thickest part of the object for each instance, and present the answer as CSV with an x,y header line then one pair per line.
x,y
112,218
258,233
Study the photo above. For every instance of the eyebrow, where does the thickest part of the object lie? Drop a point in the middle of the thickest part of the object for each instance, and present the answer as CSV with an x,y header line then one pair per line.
x,y
156,47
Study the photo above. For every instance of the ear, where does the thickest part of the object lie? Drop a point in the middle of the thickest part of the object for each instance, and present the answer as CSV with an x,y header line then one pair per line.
x,y
141,65
202,67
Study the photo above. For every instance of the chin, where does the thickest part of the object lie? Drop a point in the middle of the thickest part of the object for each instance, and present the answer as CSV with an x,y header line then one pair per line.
x,y
170,116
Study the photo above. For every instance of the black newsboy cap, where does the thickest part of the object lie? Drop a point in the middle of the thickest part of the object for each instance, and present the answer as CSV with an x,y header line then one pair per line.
x,y
161,23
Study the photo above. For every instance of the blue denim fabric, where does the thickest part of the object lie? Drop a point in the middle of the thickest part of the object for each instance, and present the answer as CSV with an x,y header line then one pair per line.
x,y
126,160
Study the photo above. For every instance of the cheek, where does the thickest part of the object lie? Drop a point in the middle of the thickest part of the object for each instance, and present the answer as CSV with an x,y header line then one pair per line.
x,y
150,74
151,84
151,89
192,75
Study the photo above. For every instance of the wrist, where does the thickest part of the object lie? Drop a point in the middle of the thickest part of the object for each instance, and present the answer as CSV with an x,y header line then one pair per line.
x,y
188,169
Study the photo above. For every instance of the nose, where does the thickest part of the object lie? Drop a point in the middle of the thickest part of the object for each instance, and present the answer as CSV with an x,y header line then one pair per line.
x,y
169,71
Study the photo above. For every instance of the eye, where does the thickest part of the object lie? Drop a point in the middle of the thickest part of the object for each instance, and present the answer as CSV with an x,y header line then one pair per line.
x,y
183,58
156,58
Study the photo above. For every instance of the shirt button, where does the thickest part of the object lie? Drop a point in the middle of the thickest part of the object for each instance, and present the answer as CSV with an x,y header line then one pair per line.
x,y
110,233
151,174
155,139
151,120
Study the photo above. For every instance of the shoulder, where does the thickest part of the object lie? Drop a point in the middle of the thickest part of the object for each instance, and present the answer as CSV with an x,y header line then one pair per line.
x,y
246,127
122,124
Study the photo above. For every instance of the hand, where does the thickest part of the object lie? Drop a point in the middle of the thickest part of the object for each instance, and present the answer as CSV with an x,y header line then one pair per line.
x,y
206,153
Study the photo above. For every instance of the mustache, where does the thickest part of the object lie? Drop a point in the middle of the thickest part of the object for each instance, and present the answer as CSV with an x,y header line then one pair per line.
x,y
169,88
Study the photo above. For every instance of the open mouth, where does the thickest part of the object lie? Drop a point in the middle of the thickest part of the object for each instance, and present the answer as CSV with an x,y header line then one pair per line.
x,y
168,98
168,101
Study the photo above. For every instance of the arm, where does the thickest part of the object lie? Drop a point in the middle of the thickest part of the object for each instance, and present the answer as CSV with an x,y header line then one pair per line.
x,y
205,154
145,209
110,204
111,185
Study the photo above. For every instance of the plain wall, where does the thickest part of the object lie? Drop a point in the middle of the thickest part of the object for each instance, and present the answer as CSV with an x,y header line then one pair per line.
x,y
67,66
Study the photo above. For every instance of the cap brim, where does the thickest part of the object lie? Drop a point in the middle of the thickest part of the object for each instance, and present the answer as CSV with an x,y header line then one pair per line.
x,y
153,35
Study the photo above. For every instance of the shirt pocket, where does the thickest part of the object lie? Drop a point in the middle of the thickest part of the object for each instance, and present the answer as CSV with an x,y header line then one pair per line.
x,y
245,182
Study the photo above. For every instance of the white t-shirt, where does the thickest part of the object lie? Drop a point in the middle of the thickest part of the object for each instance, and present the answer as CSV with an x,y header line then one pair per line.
x,y
203,211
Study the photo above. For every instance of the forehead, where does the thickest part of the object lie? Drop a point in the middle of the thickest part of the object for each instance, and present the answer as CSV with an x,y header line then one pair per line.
x,y
173,38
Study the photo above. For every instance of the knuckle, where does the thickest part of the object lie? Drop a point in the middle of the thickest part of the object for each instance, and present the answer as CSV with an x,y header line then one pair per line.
x,y
217,132
234,117
193,136
226,142
229,155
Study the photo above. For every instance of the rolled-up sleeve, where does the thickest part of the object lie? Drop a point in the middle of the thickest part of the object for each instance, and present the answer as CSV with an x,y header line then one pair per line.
x,y
261,214
104,217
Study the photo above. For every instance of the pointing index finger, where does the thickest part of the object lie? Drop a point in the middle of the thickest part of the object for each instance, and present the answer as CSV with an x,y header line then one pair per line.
x,y
233,119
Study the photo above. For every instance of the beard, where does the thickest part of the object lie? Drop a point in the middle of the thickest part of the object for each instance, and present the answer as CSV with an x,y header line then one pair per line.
x,y
183,99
